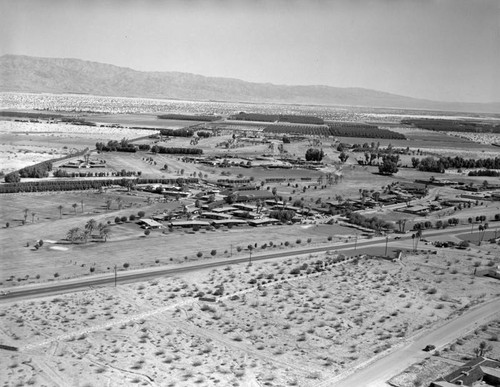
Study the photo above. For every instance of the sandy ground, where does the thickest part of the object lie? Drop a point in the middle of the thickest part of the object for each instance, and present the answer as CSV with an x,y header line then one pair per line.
x,y
270,327
27,143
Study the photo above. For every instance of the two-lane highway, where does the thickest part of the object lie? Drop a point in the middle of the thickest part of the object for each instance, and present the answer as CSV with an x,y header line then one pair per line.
x,y
376,246
65,286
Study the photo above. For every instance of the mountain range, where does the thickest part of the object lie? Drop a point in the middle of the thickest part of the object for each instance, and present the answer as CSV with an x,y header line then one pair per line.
x,y
20,73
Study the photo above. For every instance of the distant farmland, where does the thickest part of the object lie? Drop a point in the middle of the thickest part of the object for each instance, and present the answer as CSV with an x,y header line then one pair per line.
x,y
337,130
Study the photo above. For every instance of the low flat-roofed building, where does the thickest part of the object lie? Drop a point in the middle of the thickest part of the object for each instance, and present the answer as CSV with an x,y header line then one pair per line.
x,y
214,215
224,209
189,223
225,222
247,214
149,223
245,207
262,222
477,372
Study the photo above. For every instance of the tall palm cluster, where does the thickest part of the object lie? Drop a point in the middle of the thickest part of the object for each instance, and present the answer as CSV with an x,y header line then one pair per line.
x,y
77,234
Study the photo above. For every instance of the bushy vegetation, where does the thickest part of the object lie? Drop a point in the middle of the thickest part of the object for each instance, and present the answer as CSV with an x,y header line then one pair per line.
x,y
116,146
389,165
177,132
282,215
431,164
313,154
77,185
374,223
354,129
184,151
485,172
33,171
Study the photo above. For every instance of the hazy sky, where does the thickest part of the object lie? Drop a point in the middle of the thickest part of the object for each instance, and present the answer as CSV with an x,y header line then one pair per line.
x,y
436,49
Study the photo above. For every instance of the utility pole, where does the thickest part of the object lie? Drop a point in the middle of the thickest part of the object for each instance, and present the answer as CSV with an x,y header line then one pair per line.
x,y
250,262
386,241
231,249
356,242
115,276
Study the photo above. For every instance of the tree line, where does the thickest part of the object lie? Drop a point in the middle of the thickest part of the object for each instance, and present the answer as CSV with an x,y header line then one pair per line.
x,y
431,164
442,125
170,150
80,185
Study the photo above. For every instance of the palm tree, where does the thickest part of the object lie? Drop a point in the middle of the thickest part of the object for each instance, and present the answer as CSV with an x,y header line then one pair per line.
x,y
74,205
90,226
86,235
26,211
60,211
104,233
74,234
417,237
33,217
482,349
483,229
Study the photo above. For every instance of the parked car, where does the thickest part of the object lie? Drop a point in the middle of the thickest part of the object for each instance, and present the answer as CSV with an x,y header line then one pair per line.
x,y
429,348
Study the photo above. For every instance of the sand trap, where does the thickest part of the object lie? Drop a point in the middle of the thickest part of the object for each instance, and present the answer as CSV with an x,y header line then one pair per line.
x,y
60,248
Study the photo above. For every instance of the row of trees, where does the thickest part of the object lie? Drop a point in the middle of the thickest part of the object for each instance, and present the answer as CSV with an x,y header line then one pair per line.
x,y
168,150
33,171
123,172
341,130
443,125
431,164
177,132
374,223
485,172
78,185
116,146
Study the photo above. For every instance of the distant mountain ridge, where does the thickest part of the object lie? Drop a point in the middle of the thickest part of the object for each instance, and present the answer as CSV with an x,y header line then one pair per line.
x,y
55,75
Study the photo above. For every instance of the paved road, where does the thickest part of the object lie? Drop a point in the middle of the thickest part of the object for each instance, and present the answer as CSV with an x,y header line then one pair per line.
x,y
41,290
377,373
376,246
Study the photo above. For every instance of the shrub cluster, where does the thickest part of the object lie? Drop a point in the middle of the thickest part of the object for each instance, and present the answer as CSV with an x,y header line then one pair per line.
x,y
163,149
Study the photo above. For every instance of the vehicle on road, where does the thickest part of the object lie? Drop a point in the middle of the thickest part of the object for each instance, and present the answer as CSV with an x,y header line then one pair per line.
x,y
429,348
